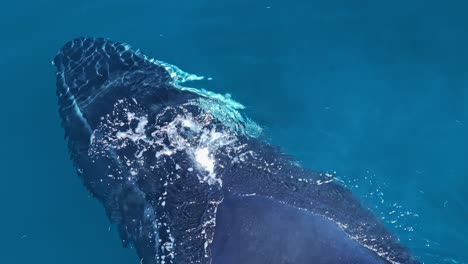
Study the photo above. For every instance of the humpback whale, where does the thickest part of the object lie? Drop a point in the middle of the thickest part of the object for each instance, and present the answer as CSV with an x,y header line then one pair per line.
x,y
188,178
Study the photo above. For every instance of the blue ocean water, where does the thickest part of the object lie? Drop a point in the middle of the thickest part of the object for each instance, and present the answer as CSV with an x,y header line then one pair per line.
x,y
376,91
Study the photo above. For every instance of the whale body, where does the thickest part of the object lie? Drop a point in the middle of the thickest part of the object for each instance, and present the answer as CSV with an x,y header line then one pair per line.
x,y
188,178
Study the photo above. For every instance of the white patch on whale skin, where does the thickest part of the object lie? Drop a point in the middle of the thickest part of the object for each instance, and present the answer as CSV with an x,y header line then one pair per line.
x,y
198,140
207,162
197,137
138,133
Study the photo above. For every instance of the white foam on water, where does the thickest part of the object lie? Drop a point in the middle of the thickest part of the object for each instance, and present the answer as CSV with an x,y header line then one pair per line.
x,y
223,107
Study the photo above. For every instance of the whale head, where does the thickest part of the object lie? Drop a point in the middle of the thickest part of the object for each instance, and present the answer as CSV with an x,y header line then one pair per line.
x,y
141,141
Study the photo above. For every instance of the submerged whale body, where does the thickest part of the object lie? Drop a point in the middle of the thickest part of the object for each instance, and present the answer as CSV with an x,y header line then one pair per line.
x,y
186,177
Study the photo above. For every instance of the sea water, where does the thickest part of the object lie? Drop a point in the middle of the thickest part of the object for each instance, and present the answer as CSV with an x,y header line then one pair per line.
x,y
374,92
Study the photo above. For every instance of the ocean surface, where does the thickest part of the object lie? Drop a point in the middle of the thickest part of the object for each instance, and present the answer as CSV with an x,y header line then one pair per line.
x,y
373,91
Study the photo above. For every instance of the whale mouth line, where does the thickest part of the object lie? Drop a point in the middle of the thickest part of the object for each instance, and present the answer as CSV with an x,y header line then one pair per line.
x,y
77,103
